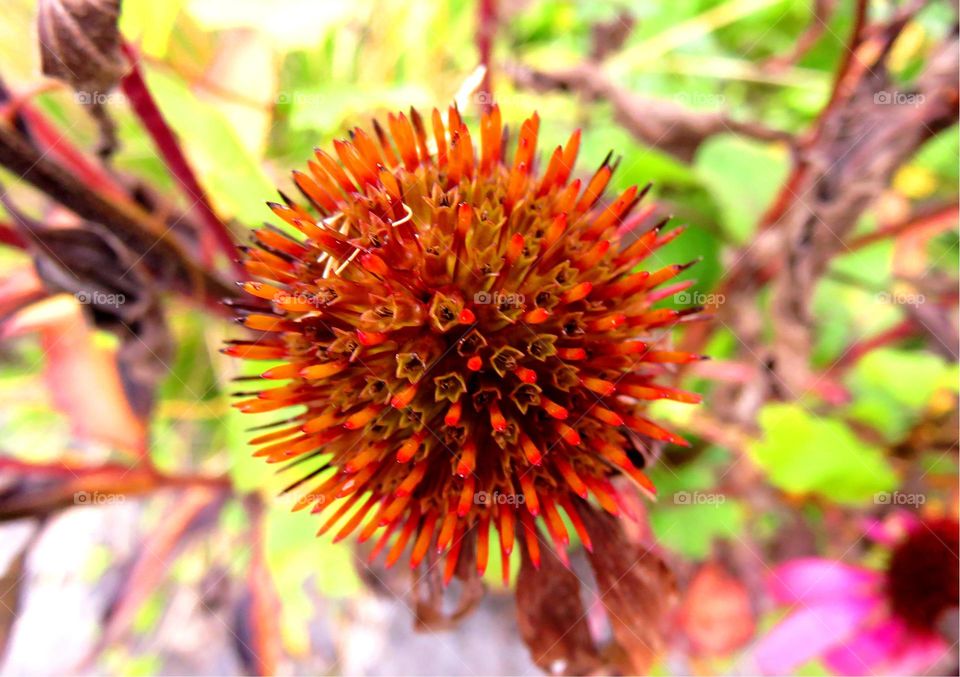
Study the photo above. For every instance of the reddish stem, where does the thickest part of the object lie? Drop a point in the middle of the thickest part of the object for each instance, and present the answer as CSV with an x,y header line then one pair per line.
x,y
10,236
145,107
486,28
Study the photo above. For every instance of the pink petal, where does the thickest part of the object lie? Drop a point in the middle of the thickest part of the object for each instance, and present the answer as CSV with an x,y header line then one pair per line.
x,y
892,529
812,579
808,633
888,648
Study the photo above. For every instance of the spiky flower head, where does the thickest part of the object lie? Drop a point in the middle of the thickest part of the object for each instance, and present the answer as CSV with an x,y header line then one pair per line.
x,y
469,343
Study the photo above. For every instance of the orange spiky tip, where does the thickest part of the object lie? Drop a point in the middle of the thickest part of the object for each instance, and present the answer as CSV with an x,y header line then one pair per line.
x,y
468,342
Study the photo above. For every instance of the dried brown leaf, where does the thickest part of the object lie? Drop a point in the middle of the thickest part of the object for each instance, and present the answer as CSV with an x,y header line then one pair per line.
x,y
635,587
552,618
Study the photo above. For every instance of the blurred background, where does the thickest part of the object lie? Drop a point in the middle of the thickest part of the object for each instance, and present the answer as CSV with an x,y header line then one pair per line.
x,y
139,536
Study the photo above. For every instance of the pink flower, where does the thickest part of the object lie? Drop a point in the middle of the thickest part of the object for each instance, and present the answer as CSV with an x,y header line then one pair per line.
x,y
863,621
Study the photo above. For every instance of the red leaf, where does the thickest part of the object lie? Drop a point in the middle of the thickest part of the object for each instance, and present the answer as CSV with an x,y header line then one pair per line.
x,y
716,614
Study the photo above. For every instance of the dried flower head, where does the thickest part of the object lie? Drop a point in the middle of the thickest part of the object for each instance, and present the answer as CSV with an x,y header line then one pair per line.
x,y
469,342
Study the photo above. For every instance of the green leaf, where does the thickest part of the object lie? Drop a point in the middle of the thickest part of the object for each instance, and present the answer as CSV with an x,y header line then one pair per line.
x,y
690,529
235,181
804,454
892,387
910,378
743,177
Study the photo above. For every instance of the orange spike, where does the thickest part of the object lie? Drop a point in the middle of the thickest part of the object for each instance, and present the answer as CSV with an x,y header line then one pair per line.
x,y
569,435
404,536
526,375
367,150
318,195
572,354
409,447
606,322
325,420
568,197
514,248
599,386
384,140
529,494
446,529
371,338
454,555
382,541
594,189
613,213
361,460
483,541
578,292
554,232
263,290
574,515
650,429
362,417
350,157
530,450
356,518
505,567
571,477
404,397
274,436
403,136
394,509
671,357
331,167
410,482
468,459
421,134
604,415
553,409
423,539
255,352
569,158
658,392
453,414
555,523
323,370
536,316
603,491
497,421
592,256
466,496
324,180
553,170
341,511
264,323
464,218
508,519
374,522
